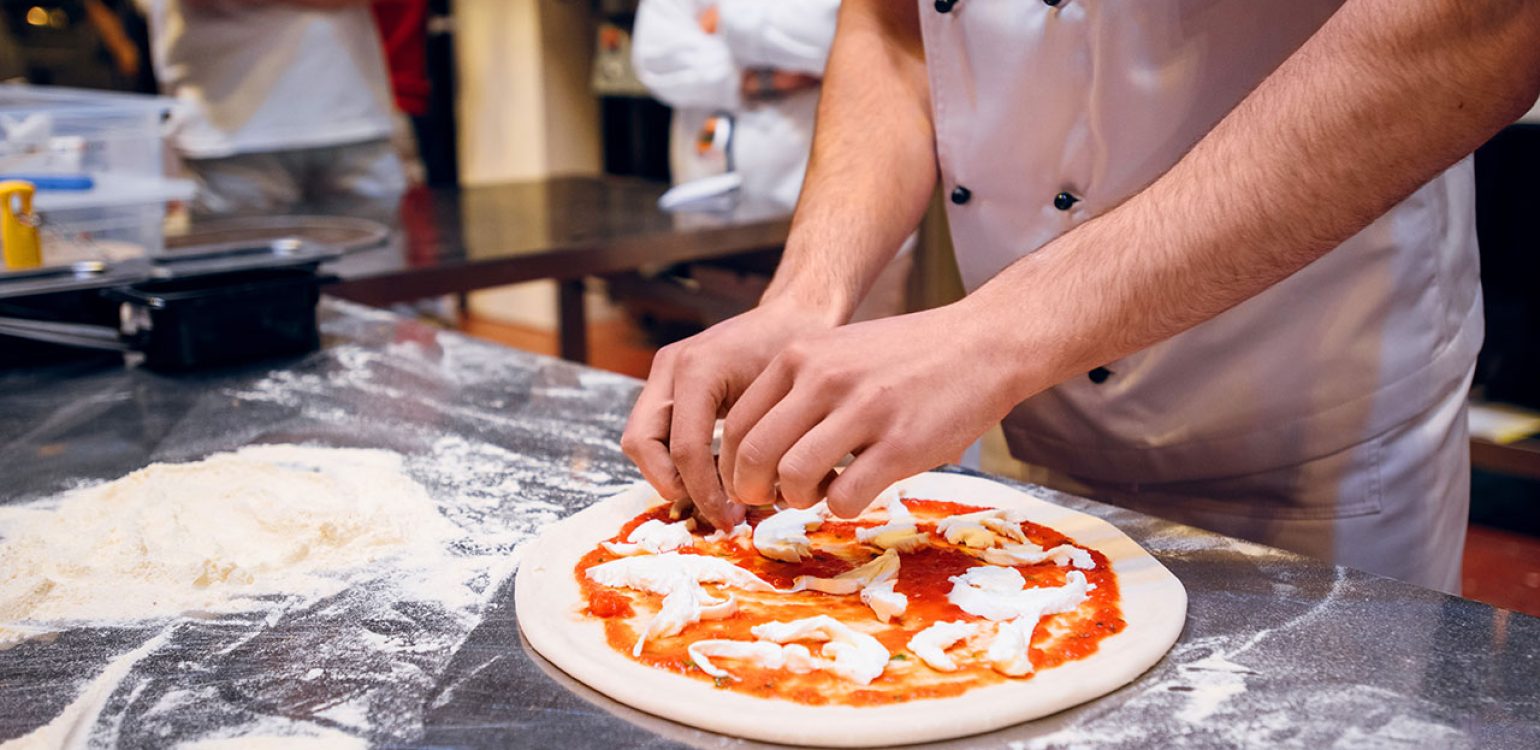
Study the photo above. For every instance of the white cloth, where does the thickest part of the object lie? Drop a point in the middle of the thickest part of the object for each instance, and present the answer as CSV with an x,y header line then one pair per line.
x,y
1097,99
365,180
269,76
1396,504
701,74
1366,338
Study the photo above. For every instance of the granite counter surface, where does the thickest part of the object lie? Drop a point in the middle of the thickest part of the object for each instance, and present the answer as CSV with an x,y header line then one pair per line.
x,y
1278,651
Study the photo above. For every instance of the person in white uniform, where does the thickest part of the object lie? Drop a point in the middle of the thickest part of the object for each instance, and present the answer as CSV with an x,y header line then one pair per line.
x,y
283,102
760,63
1221,262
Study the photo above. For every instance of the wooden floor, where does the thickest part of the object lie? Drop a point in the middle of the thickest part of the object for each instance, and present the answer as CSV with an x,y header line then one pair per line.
x,y
1501,568
614,345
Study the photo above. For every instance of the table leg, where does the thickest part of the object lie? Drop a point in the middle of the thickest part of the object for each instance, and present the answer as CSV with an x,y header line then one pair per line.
x,y
572,321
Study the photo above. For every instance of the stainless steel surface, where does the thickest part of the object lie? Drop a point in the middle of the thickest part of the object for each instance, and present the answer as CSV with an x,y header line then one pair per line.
x,y
1279,651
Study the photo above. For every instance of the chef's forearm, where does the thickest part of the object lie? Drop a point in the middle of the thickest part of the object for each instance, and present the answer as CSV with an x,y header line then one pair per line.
x,y
873,165
1385,96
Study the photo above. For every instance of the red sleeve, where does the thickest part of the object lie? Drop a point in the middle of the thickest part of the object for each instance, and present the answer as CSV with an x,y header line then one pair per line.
x,y
403,28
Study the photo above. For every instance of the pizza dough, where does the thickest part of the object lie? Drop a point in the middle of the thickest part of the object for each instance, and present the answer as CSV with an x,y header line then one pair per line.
x,y
548,602
213,535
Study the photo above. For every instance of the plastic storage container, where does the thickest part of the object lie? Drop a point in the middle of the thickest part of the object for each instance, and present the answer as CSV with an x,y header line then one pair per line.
x,y
113,139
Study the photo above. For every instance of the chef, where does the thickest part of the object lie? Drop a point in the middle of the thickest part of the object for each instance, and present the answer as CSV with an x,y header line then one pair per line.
x,y
756,60
282,103
760,63
1220,255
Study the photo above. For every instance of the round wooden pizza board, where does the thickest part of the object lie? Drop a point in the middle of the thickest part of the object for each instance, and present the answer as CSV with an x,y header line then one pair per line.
x,y
548,604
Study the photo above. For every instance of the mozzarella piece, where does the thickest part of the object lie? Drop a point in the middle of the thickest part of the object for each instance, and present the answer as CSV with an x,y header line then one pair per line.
x,y
741,535
682,607
883,567
653,537
885,501
1032,554
875,581
783,536
897,516
989,578
793,657
716,609
661,574
1009,650
998,594
884,601
849,653
902,540
898,533
982,529
678,579
931,643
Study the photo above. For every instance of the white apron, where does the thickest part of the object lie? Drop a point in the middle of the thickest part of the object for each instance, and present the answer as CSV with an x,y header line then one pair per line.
x,y
1049,114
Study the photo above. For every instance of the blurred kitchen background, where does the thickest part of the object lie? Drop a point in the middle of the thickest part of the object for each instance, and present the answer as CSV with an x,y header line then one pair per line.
x,y
519,142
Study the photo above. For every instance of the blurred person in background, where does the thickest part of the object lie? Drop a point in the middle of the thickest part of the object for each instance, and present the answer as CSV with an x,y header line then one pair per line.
x,y
757,61
12,66
285,104
403,28
760,63
97,44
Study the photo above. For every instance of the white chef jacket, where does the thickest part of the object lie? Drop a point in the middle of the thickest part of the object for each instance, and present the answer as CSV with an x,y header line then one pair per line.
x,y
700,75
263,77
1094,99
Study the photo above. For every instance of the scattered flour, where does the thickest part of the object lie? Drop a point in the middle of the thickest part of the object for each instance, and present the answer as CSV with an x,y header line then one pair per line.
x,y
213,535
395,572
12,635
327,741
253,738
355,629
72,728
1213,681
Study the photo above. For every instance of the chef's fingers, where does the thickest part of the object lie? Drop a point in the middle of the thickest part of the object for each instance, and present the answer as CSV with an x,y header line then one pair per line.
x,y
807,470
698,394
859,484
758,461
645,440
764,393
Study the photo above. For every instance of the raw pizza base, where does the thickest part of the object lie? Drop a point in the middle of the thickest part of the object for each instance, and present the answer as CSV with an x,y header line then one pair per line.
x,y
548,603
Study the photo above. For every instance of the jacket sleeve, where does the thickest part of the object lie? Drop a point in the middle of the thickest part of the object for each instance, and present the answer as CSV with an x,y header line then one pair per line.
x,y
791,35
679,62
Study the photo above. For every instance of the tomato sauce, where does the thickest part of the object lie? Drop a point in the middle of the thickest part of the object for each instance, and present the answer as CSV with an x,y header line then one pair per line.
x,y
923,577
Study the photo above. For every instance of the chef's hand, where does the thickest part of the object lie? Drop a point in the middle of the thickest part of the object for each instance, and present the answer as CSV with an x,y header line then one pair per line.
x,y
903,394
693,382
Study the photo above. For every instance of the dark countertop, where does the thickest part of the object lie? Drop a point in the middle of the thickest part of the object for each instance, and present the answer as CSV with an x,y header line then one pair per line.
x,y
452,239
1278,651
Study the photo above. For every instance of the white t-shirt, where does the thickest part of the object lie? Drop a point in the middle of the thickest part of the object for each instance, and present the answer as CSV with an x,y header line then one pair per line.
x,y
269,76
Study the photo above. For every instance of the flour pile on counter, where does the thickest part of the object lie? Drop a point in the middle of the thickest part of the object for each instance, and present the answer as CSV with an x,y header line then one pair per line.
x,y
214,535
